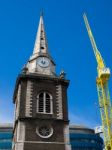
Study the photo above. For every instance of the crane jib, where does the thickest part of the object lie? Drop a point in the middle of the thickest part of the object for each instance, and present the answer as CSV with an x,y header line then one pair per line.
x,y
103,91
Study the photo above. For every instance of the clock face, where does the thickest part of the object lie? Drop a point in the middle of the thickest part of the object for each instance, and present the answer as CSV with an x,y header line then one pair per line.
x,y
43,61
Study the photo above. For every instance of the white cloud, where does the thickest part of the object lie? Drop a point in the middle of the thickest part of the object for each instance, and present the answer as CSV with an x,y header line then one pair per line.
x,y
81,120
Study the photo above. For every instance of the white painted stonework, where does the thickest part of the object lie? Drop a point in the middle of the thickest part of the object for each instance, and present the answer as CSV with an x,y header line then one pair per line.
x,y
59,102
41,40
21,132
67,137
40,50
18,102
28,110
19,146
33,67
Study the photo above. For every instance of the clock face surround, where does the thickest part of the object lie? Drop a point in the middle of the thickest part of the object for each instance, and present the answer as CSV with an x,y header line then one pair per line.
x,y
43,61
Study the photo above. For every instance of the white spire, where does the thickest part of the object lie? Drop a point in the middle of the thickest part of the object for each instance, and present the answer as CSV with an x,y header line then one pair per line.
x,y
40,54
40,46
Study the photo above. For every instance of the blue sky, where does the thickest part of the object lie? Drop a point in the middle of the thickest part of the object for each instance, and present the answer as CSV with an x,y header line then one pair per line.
x,y
68,43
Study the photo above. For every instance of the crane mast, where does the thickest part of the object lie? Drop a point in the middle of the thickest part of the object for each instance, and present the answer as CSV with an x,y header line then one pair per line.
x,y
103,91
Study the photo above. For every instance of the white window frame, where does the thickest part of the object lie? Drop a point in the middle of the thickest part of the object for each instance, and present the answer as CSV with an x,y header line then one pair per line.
x,y
44,103
45,137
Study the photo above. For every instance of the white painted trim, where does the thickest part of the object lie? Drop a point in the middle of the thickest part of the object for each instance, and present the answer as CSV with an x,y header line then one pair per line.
x,y
28,108
44,103
59,101
17,104
45,137
43,142
67,137
18,129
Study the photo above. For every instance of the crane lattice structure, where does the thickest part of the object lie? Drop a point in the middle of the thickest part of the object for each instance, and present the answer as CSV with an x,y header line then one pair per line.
x,y
103,91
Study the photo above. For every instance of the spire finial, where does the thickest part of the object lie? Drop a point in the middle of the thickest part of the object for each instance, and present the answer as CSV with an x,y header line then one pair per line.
x,y
42,13
41,47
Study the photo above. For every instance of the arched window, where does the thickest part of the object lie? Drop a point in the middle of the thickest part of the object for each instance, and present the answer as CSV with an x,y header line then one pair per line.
x,y
44,103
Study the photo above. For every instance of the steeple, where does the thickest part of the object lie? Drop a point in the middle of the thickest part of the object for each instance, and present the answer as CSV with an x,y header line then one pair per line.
x,y
41,46
40,99
41,62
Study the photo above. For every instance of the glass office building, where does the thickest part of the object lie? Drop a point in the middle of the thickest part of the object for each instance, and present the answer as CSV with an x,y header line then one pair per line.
x,y
6,136
83,138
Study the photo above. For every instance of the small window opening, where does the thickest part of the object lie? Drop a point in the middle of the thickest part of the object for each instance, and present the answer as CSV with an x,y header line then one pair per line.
x,y
44,103
42,47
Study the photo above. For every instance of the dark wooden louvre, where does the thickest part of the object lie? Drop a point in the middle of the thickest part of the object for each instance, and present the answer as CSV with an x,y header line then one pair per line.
x,y
41,102
48,106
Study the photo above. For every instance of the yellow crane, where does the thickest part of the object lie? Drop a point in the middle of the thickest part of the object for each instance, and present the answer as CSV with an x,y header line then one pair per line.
x,y
103,91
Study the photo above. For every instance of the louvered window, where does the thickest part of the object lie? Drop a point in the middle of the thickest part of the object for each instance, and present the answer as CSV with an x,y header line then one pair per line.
x,y
41,102
44,103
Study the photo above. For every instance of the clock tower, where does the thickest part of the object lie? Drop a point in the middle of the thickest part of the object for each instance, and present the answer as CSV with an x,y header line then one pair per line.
x,y
40,98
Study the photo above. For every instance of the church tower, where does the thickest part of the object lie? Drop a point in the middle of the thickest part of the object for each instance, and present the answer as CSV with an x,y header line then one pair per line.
x,y
40,98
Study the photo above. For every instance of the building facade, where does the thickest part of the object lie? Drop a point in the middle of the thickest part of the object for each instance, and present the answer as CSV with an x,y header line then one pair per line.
x,y
6,136
40,98
83,138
